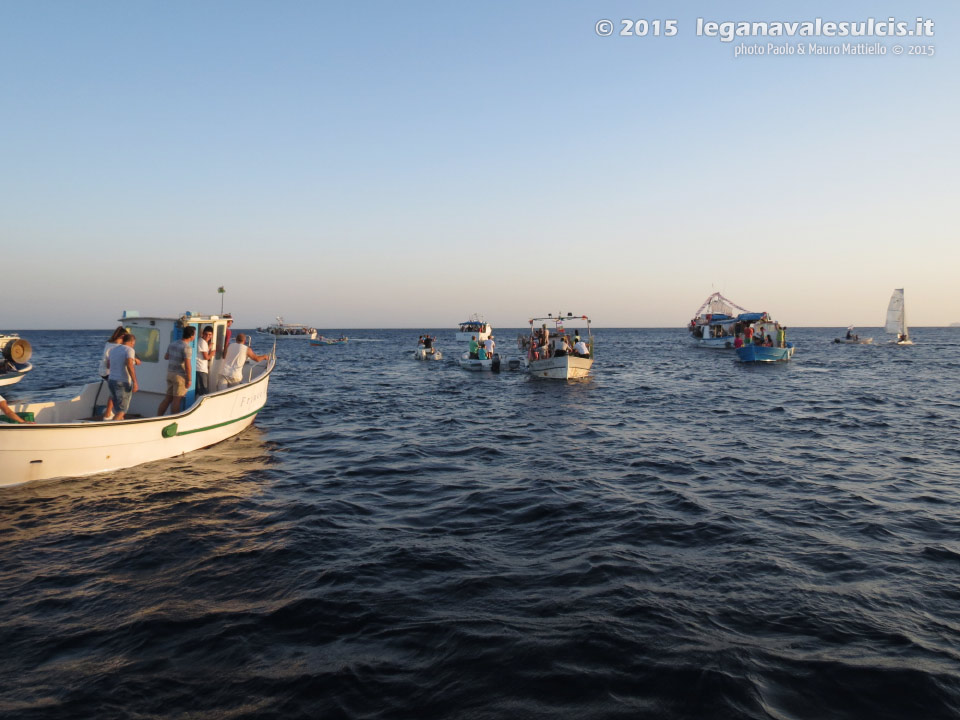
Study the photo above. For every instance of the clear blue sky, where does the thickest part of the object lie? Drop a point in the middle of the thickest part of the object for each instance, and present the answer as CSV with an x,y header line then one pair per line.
x,y
373,164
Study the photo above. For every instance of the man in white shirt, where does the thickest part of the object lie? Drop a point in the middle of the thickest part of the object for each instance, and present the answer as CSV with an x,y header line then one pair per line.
x,y
489,346
581,349
204,355
231,371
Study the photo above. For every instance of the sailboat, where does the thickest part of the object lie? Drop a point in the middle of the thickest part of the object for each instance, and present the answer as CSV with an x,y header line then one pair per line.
x,y
897,319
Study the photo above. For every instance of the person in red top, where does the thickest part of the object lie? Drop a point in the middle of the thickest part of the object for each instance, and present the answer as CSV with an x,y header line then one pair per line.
x,y
738,342
748,334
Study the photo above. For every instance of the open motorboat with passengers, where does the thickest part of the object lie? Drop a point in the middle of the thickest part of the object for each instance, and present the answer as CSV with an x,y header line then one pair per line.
x,y
15,352
425,349
852,338
550,351
68,440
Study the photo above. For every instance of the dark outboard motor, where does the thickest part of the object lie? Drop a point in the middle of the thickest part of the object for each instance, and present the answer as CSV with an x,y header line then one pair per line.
x,y
495,362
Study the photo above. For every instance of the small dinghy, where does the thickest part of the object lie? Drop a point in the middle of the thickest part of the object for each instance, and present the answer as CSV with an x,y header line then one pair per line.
x,y
852,339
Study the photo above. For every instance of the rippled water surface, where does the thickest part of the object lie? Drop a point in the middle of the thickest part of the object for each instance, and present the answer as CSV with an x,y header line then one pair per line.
x,y
679,536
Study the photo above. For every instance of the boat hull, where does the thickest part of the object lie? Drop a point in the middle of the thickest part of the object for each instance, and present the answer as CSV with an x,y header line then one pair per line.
x,y
861,341
478,365
720,343
566,367
760,354
468,336
422,354
12,378
283,336
71,449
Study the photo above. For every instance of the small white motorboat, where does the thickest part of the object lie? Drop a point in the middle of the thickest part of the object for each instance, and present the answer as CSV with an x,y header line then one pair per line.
x,y
853,339
491,364
545,361
66,438
14,354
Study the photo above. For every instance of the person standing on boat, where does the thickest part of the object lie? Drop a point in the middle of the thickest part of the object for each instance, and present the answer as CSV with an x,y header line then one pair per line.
x,y
428,343
474,346
121,363
204,355
226,337
489,345
115,339
781,336
748,334
179,370
231,372
738,341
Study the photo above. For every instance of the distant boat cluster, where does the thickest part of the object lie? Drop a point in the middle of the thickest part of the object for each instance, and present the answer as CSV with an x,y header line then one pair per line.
x,y
69,438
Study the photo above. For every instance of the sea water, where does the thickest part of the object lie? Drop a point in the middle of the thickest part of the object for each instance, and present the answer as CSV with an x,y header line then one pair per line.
x,y
677,536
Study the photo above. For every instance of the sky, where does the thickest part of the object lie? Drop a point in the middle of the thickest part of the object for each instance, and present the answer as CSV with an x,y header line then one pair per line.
x,y
405,164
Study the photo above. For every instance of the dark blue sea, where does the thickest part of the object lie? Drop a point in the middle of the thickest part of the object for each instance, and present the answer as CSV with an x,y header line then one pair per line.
x,y
679,536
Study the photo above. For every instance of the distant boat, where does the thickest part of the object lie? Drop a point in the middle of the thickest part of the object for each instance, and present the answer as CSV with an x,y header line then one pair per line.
x,y
897,319
851,339
547,359
475,326
320,341
280,329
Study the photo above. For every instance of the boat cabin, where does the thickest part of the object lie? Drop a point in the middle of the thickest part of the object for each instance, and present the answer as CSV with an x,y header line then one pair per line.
x,y
153,336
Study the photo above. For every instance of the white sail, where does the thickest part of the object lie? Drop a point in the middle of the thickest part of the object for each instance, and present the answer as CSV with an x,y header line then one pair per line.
x,y
896,323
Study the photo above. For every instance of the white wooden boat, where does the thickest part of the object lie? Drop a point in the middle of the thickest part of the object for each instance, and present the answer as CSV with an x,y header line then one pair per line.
x,y
14,354
897,319
542,362
476,326
68,441
282,330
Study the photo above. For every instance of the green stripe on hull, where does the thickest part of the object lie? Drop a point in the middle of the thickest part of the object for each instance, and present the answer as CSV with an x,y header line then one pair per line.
x,y
228,422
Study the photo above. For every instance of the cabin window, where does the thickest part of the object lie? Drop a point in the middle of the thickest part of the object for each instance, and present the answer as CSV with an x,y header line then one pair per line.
x,y
148,343
219,339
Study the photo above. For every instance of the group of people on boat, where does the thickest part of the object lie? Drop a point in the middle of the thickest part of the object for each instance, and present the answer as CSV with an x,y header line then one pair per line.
x,y
472,327
482,351
425,342
540,345
285,330
761,337
118,367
